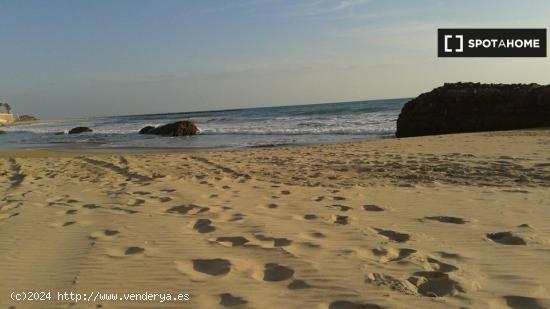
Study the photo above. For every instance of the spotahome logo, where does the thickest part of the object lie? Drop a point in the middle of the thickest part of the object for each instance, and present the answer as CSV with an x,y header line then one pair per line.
x,y
491,42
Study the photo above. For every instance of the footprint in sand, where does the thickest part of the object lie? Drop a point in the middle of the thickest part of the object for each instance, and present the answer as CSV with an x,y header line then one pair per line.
x,y
298,285
340,207
343,220
212,267
165,199
277,242
285,192
344,304
441,266
402,286
71,211
110,232
392,235
187,209
310,216
338,198
128,211
141,193
309,244
372,208
274,272
138,202
447,219
204,226
234,241
133,250
272,205
319,199
236,217
435,284
315,234
69,223
521,302
90,206
392,254
506,238
228,300
449,255
7,216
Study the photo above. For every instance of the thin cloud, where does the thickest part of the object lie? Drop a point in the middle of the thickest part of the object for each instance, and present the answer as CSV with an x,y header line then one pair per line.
x,y
233,5
323,7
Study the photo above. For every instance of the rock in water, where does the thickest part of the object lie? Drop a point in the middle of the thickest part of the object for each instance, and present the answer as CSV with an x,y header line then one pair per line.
x,y
179,128
27,118
146,130
78,130
475,107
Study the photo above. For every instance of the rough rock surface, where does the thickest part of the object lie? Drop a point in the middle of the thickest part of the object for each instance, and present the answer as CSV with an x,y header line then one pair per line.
x,y
145,130
179,128
27,118
474,107
78,130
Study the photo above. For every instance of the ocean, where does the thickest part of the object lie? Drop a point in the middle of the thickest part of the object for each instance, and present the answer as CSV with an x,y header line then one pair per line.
x,y
231,129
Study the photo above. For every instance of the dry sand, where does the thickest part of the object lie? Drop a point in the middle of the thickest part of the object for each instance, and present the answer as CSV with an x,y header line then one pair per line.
x,y
433,222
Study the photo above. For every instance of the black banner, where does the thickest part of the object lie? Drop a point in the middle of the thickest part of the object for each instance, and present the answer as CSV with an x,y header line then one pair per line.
x,y
491,42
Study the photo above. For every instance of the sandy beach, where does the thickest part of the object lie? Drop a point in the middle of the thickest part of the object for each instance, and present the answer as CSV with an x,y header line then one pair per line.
x,y
453,221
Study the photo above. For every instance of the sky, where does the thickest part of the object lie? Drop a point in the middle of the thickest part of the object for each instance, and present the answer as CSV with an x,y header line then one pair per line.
x,y
71,58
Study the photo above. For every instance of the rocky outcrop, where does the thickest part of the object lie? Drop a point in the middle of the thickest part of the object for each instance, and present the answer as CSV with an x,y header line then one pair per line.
x,y
27,118
79,130
179,128
474,107
146,130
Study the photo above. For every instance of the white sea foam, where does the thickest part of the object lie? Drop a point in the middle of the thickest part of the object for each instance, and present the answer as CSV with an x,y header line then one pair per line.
x,y
248,127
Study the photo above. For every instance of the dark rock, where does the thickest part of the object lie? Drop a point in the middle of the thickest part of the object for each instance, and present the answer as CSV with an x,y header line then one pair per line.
x,y
179,128
146,130
78,130
27,118
2,132
475,107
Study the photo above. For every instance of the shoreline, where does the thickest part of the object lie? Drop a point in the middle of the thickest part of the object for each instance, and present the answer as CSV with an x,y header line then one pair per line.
x,y
171,150
83,148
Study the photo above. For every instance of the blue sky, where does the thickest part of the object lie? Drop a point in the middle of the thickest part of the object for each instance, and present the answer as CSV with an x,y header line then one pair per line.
x,y
107,57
